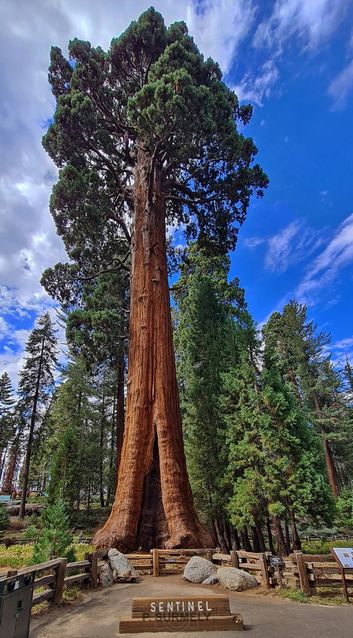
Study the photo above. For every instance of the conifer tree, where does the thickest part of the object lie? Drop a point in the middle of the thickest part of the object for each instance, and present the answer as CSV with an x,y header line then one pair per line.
x,y
35,387
206,304
276,465
69,413
55,538
151,128
7,421
301,352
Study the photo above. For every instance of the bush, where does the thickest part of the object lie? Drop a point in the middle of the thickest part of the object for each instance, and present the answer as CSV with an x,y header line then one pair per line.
x,y
30,533
16,556
344,508
17,523
4,518
324,547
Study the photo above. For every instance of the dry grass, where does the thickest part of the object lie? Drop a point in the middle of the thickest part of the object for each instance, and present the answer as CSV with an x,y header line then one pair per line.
x,y
17,524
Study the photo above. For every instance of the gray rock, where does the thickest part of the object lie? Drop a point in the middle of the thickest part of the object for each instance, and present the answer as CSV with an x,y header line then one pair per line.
x,y
236,579
211,580
121,568
198,569
105,574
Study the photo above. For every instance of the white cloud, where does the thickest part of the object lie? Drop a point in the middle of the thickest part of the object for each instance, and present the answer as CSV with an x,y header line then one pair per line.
x,y
310,21
254,87
308,24
219,26
341,87
338,254
289,246
254,242
28,242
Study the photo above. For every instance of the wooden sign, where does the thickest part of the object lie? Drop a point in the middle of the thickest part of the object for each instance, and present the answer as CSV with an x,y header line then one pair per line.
x,y
344,558
182,613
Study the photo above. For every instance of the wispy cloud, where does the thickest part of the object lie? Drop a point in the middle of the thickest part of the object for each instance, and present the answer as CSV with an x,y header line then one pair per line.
x,y
310,21
337,255
341,351
256,86
254,242
292,244
219,26
341,87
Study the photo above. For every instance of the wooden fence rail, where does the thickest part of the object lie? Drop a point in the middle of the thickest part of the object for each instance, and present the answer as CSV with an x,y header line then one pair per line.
x,y
51,578
305,571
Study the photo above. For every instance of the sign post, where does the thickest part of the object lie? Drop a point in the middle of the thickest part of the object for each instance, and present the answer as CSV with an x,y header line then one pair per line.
x,y
180,614
344,558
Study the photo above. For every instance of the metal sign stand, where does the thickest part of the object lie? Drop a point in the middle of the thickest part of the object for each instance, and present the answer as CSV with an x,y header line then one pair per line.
x,y
344,559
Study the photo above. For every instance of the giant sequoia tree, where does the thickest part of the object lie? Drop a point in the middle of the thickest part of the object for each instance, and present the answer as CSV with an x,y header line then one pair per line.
x,y
146,134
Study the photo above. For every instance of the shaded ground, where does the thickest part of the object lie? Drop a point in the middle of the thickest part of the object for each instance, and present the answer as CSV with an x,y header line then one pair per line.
x,y
265,617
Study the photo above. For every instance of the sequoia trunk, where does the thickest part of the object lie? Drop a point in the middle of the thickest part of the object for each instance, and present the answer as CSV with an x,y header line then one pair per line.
x,y
153,498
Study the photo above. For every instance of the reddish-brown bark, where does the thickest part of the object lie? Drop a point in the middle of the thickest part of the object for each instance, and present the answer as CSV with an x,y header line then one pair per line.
x,y
153,502
330,465
120,411
8,482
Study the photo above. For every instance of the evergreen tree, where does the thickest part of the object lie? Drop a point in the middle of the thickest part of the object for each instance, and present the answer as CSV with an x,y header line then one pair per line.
x,y
301,352
7,420
199,346
206,306
275,461
69,414
55,538
36,384
151,128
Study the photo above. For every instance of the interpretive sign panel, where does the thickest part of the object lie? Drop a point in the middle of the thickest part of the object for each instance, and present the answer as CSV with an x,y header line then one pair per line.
x,y
344,557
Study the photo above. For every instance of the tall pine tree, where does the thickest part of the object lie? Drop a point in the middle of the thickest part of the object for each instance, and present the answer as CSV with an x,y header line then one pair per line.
x,y
7,420
36,384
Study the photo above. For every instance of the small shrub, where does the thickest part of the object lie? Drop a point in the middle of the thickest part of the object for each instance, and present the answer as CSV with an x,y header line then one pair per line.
x,y
17,523
294,594
55,539
16,556
72,594
30,533
324,547
4,518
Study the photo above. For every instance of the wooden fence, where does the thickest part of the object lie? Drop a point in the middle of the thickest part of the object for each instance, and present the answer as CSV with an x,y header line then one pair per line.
x,y
304,571
52,578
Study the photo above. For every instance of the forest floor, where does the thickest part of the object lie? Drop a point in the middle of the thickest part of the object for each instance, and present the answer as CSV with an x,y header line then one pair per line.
x,y
97,615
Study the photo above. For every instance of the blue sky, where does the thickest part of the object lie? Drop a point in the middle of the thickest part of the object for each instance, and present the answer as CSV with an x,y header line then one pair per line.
x,y
293,59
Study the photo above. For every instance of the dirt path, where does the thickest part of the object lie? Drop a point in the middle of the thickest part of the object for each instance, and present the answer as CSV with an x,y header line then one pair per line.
x,y
265,617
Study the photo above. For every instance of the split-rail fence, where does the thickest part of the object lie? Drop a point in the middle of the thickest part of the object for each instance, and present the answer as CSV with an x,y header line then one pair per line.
x,y
304,571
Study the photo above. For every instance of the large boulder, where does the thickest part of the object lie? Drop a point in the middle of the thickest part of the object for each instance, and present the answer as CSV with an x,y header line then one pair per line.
x,y
198,569
105,574
236,579
122,570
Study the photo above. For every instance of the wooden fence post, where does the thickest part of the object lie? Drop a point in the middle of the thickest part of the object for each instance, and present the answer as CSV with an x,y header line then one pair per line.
x,y
234,558
264,570
11,572
155,562
303,574
209,554
60,581
93,559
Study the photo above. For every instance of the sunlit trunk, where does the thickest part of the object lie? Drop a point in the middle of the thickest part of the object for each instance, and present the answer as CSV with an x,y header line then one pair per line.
x,y
152,475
